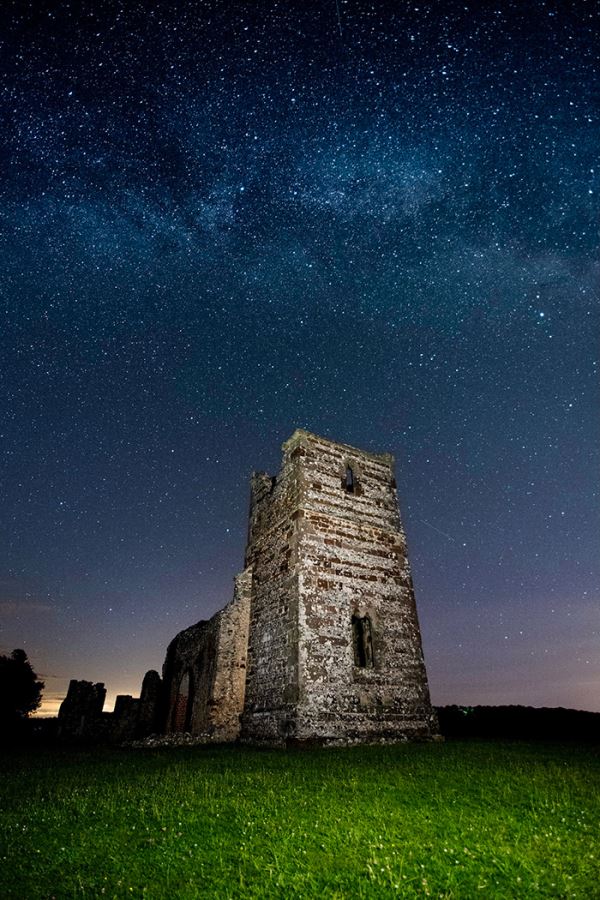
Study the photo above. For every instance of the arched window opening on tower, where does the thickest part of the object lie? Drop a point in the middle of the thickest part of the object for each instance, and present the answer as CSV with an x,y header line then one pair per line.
x,y
349,480
362,642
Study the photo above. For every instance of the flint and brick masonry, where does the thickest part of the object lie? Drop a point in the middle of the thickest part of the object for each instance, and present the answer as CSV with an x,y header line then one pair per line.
x,y
320,643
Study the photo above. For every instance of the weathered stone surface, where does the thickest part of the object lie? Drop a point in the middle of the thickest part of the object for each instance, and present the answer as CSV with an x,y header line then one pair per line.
x,y
205,671
329,567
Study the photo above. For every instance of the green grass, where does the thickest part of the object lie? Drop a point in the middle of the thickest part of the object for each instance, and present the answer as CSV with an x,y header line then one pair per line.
x,y
441,820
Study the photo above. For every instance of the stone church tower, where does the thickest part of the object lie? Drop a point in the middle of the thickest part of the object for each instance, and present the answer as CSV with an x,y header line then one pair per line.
x,y
321,641
334,651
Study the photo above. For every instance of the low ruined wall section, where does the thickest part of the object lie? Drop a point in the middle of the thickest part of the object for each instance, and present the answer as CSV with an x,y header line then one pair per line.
x,y
192,652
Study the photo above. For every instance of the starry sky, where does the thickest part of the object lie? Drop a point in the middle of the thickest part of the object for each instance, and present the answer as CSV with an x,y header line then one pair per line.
x,y
220,221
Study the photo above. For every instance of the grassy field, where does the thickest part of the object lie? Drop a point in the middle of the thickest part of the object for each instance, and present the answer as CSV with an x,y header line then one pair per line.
x,y
441,820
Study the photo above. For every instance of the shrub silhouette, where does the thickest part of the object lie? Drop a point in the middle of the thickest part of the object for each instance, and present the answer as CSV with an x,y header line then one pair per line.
x,y
20,691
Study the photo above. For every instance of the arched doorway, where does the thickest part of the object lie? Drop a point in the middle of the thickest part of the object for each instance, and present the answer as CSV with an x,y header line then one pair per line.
x,y
182,708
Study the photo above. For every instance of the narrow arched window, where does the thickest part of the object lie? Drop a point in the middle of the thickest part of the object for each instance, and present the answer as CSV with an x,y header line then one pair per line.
x,y
349,480
362,642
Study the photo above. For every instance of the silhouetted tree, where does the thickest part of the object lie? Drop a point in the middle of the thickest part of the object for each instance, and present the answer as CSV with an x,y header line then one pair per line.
x,y
20,689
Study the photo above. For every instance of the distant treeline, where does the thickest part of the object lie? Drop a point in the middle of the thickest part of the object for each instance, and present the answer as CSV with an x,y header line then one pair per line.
x,y
521,722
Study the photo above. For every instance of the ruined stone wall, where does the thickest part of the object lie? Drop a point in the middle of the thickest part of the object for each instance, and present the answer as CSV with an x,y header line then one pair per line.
x,y
328,556
148,719
80,714
190,660
124,718
210,660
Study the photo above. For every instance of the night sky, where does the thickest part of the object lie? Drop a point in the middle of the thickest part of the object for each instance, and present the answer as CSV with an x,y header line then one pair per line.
x,y
378,221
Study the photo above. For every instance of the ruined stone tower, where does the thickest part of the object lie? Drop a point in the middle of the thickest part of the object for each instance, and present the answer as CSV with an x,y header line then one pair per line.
x,y
334,651
321,641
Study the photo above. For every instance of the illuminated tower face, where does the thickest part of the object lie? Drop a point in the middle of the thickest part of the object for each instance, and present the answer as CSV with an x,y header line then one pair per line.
x,y
334,651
